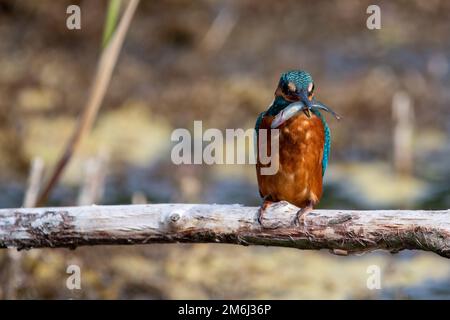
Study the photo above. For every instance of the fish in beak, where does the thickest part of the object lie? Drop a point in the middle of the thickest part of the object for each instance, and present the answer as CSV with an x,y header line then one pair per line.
x,y
321,106
287,113
305,105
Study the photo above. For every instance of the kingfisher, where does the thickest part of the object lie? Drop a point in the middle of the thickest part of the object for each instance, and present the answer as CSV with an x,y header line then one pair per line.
x,y
304,145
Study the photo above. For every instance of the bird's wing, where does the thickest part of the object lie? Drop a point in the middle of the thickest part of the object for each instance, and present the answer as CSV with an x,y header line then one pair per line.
x,y
262,114
258,120
326,148
255,143
327,142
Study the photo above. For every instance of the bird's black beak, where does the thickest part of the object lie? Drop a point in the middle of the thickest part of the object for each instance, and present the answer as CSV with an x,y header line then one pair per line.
x,y
307,112
303,97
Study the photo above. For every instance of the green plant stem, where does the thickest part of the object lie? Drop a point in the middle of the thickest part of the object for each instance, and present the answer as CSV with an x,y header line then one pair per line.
x,y
112,15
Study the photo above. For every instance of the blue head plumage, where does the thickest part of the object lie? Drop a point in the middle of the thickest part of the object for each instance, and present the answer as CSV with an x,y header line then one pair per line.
x,y
298,78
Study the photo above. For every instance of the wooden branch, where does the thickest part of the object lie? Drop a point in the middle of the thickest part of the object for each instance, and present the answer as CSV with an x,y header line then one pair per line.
x,y
341,231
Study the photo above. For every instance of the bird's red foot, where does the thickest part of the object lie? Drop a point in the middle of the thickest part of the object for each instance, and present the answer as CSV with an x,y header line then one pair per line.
x,y
262,209
302,213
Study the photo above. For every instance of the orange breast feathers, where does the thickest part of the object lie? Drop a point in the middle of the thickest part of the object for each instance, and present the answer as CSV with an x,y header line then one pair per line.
x,y
299,177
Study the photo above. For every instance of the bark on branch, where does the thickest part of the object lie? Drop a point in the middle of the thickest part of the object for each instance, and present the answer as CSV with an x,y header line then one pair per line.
x,y
341,231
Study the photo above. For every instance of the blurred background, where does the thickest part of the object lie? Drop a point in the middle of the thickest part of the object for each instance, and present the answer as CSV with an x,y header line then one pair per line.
x,y
219,62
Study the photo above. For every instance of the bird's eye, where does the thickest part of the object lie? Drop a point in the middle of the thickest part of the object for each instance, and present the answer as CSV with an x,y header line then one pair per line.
x,y
311,88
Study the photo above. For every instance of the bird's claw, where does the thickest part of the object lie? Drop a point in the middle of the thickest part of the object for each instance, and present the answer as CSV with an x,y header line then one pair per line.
x,y
260,216
263,209
300,218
